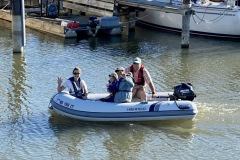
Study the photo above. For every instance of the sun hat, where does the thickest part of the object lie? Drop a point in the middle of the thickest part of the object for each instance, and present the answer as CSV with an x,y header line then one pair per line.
x,y
119,69
137,60
113,75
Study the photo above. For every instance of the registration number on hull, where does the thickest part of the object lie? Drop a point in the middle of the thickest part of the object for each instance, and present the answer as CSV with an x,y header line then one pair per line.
x,y
65,104
136,109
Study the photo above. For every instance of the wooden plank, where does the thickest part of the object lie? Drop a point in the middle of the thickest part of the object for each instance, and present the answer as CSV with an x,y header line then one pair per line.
x,y
95,11
109,1
88,1
5,15
93,3
153,5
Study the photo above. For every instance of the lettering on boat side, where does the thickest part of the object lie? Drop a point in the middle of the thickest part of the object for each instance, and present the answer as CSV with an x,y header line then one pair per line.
x,y
60,101
65,104
136,109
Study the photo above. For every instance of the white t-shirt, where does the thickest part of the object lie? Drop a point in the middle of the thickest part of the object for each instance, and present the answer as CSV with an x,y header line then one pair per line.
x,y
68,84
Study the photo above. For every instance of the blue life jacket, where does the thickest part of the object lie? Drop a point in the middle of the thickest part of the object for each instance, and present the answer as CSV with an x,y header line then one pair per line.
x,y
78,93
124,91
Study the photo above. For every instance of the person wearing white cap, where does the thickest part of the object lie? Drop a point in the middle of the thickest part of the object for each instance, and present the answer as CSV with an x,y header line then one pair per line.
x,y
124,87
141,78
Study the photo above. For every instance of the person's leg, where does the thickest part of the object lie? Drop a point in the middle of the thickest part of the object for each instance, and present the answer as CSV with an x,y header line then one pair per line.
x,y
134,91
142,95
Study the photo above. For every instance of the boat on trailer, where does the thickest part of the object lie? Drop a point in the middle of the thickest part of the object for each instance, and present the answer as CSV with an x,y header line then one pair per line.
x,y
217,19
164,107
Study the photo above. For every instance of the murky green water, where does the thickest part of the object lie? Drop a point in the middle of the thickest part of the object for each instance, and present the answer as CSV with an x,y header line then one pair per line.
x,y
28,130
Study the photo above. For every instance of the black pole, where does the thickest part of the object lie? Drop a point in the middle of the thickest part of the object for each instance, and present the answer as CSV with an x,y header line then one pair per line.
x,y
58,6
46,8
41,9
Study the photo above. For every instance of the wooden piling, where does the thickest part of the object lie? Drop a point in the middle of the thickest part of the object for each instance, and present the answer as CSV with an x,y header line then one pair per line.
x,y
132,19
185,37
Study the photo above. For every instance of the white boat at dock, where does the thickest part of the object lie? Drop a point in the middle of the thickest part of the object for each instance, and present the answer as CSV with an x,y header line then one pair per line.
x,y
218,19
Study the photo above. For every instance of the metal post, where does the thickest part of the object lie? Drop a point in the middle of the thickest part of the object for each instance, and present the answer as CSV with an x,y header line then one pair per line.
x,y
186,24
116,9
46,8
18,25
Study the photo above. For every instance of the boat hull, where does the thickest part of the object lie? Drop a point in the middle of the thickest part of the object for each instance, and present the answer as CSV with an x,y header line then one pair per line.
x,y
207,20
92,110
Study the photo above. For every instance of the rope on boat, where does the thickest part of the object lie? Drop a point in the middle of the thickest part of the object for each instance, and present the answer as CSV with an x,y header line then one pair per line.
x,y
215,20
137,18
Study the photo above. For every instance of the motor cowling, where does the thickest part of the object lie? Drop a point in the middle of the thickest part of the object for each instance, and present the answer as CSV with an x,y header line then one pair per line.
x,y
93,21
184,91
52,11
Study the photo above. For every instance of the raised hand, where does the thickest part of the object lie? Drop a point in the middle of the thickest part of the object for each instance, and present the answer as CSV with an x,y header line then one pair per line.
x,y
59,80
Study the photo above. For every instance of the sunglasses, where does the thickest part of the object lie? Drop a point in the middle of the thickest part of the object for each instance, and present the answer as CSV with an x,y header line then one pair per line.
x,y
76,73
119,70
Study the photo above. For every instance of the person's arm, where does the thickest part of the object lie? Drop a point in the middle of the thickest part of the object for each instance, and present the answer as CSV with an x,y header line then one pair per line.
x,y
84,88
60,87
149,81
114,87
152,89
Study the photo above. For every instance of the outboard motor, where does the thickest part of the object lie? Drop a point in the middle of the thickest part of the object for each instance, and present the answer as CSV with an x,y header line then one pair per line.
x,y
93,22
52,11
184,91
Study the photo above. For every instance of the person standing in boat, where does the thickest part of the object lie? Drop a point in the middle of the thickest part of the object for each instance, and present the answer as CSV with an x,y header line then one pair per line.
x,y
141,77
111,87
75,85
124,86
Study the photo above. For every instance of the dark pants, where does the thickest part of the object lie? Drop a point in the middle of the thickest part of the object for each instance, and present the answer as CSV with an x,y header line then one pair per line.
x,y
110,99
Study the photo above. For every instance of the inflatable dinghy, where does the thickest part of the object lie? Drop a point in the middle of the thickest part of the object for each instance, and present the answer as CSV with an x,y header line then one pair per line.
x,y
161,108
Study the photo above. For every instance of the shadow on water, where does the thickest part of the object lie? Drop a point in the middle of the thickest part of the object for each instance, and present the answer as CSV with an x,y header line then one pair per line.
x,y
123,42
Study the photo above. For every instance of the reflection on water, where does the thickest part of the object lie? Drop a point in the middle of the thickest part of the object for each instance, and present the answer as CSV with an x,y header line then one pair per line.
x,y
27,82
115,140
16,91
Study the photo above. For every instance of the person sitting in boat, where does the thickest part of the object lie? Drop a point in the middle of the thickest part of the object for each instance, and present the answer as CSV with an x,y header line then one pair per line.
x,y
75,85
141,77
124,86
111,87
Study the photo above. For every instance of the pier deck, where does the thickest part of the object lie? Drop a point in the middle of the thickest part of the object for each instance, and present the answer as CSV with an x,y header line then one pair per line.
x,y
154,5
